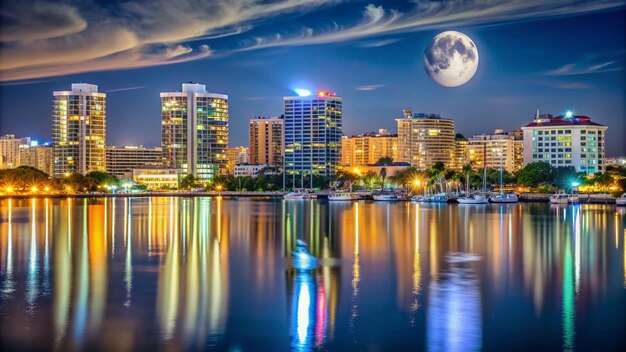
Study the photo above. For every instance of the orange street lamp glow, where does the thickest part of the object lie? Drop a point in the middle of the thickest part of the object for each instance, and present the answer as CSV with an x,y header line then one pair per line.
x,y
9,189
219,187
34,189
47,189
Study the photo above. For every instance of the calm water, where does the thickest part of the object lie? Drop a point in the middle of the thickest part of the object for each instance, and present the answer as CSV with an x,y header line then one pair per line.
x,y
211,273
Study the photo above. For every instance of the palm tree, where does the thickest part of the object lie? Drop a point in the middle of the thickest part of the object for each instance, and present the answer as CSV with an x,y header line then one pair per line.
x,y
383,175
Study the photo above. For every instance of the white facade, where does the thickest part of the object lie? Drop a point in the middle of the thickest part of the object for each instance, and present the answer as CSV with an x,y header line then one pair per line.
x,y
155,178
566,141
248,170
194,131
79,130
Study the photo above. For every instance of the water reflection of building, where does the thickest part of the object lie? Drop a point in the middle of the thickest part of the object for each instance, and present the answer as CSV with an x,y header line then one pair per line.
x,y
193,286
314,295
454,320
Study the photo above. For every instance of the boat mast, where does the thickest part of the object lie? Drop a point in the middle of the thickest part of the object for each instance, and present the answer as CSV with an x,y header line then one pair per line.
x,y
484,167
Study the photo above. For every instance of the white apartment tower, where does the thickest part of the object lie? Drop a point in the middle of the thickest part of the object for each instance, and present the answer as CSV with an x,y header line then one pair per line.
x,y
194,131
79,130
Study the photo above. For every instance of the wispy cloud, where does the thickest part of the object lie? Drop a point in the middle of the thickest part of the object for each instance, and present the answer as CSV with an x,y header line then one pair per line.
x,y
568,85
124,89
42,38
379,43
584,68
369,87
377,20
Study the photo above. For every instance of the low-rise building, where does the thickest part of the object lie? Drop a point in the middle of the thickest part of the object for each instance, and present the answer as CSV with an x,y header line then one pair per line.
x,y
10,150
248,170
236,156
40,157
121,160
567,140
156,178
368,148
495,150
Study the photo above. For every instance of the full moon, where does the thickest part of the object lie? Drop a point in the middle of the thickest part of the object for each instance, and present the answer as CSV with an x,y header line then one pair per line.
x,y
451,59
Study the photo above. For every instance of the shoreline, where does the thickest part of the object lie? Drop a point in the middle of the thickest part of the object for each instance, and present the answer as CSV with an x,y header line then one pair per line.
x,y
523,197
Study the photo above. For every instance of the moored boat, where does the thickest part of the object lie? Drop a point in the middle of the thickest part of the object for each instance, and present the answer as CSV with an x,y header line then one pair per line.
x,y
439,198
389,197
421,199
299,194
504,198
343,196
621,200
558,198
473,199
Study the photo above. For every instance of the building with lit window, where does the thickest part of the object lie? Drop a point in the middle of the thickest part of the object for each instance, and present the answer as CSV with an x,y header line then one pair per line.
x,y
237,156
194,131
10,150
121,160
155,178
566,140
79,130
39,156
313,129
368,148
461,152
424,139
266,140
496,149
253,170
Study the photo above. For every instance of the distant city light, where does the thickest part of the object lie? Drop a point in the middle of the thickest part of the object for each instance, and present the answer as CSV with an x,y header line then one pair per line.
x,y
575,184
569,114
303,92
34,143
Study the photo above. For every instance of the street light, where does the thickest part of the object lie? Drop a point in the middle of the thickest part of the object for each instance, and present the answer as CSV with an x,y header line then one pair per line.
x,y
219,189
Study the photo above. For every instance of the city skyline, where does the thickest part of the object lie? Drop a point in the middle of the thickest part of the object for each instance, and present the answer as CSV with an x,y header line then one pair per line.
x,y
376,69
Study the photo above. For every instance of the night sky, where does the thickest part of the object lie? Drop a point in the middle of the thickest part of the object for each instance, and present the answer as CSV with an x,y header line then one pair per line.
x,y
565,55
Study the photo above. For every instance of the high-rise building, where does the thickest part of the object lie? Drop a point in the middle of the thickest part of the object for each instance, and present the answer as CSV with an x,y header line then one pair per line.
x,y
237,156
566,140
194,131
10,150
368,148
313,125
79,130
424,139
39,156
121,160
496,149
266,140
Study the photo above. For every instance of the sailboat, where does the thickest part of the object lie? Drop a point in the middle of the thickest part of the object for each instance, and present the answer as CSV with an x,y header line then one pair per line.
x,y
475,198
503,197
